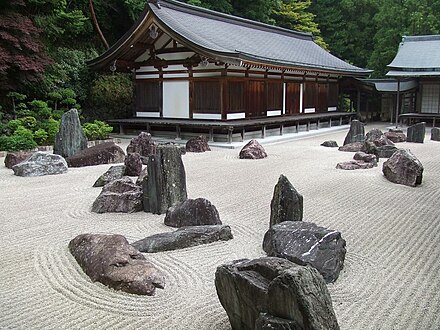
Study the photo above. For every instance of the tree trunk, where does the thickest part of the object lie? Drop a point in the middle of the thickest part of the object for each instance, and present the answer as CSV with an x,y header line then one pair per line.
x,y
96,25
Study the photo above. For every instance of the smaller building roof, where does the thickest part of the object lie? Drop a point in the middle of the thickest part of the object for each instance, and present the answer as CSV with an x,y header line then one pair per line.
x,y
417,56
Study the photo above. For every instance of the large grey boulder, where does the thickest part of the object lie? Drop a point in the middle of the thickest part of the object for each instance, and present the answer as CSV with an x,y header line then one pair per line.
x,y
133,164
356,132
109,259
103,153
286,204
192,212
435,134
197,144
165,185
70,138
144,145
16,157
305,243
120,195
255,292
113,173
416,133
41,163
252,150
403,168
183,237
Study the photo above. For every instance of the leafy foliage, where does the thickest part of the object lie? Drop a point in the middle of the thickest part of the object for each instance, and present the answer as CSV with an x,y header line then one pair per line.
x,y
97,130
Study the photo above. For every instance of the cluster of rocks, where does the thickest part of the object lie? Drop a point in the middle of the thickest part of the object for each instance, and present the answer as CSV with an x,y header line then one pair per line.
x,y
361,160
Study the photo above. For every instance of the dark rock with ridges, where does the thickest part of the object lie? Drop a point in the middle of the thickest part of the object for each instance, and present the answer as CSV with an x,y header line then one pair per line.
x,y
435,135
330,144
374,134
120,195
355,165
197,144
165,185
380,150
113,173
286,204
70,138
110,260
144,145
416,133
305,243
403,168
368,158
183,237
192,212
356,133
104,153
133,164
395,135
352,147
255,291
16,157
40,164
252,150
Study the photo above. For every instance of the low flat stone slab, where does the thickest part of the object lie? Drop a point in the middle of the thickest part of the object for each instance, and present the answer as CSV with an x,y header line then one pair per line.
x,y
352,147
109,259
330,144
183,238
104,153
354,165
40,164
305,243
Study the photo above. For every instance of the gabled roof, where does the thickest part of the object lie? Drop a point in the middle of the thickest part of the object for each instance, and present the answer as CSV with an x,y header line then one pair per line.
x,y
231,39
417,56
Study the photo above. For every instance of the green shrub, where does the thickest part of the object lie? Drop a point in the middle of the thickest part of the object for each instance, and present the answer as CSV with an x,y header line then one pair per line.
x,y
22,139
29,122
51,126
40,136
97,130
40,109
13,125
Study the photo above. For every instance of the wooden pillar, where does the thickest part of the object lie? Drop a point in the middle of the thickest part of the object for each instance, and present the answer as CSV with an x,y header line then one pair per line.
x,y
297,126
263,131
359,104
317,124
398,102
177,132
230,130
211,134
281,129
243,132
330,122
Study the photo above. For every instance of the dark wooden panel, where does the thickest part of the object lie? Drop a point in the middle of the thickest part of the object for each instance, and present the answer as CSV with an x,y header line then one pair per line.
x,y
333,94
274,93
236,96
322,98
292,97
310,94
256,100
206,96
148,96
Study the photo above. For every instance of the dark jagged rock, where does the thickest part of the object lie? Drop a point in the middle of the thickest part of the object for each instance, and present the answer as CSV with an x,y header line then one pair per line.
x,y
368,158
356,133
435,135
286,204
120,195
165,185
403,168
380,150
104,153
374,134
113,173
305,243
70,138
192,212
252,150
144,145
109,259
352,147
197,144
183,237
416,133
395,135
255,291
16,157
41,163
133,164
330,144
355,165
142,176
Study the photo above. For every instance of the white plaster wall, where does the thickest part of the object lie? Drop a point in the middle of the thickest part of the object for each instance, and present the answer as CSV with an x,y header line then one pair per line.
x,y
176,99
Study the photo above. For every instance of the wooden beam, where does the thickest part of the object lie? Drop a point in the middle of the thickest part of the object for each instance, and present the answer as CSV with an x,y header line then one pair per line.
x,y
173,50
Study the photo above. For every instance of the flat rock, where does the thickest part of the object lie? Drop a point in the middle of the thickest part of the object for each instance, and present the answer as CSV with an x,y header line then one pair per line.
x,y
70,138
352,147
41,163
286,204
355,165
197,144
120,195
144,145
416,133
368,158
255,291
112,174
110,260
192,212
395,136
305,243
183,238
16,157
104,153
133,164
165,185
403,168
356,133
252,150
435,135
330,144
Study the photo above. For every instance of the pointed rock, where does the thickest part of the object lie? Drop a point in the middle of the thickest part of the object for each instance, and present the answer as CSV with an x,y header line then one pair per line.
x,y
253,150
356,132
197,144
286,204
133,164
112,174
144,145
70,138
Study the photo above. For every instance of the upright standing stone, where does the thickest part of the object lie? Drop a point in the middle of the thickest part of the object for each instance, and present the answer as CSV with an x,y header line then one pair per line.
x,y
356,132
70,139
165,185
435,134
416,133
286,204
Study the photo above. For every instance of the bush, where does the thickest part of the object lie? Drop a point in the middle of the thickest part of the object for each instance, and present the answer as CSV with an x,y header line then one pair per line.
x,y
40,136
13,125
29,122
22,139
97,130
51,127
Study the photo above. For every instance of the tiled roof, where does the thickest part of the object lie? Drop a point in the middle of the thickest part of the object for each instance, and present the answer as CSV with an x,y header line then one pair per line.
x,y
227,35
417,56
